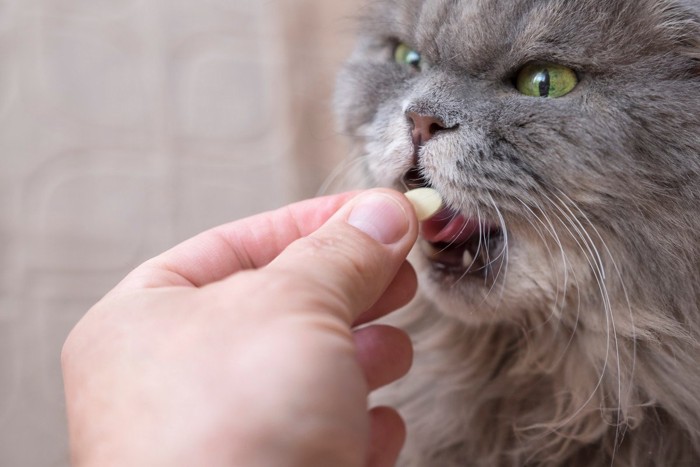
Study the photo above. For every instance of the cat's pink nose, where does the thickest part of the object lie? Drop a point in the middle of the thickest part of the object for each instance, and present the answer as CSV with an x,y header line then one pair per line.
x,y
424,127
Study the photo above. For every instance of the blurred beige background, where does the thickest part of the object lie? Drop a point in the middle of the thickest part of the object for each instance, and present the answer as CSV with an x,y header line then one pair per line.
x,y
127,126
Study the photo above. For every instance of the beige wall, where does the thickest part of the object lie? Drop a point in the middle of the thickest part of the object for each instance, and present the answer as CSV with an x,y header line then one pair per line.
x,y
126,126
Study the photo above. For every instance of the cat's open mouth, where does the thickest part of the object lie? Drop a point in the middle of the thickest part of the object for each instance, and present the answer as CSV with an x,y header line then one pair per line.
x,y
462,246
459,245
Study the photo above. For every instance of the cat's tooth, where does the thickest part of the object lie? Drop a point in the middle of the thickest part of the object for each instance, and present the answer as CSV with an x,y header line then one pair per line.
x,y
467,258
426,202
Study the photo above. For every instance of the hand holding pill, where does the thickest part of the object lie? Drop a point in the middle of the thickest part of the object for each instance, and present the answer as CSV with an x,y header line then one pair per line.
x,y
241,347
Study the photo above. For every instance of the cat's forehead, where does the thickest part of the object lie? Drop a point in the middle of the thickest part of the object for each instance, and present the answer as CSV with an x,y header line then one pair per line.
x,y
483,34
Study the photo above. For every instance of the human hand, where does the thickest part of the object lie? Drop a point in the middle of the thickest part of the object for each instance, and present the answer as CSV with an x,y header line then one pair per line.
x,y
238,347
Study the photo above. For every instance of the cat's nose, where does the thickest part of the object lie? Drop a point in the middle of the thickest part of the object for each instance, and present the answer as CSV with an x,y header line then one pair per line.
x,y
424,127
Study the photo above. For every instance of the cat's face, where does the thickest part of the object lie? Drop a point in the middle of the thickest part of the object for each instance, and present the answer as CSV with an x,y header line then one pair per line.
x,y
563,135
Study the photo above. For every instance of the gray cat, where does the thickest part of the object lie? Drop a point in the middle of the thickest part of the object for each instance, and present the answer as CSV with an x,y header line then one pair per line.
x,y
559,320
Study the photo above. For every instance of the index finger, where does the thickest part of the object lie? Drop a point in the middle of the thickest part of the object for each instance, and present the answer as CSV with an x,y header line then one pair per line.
x,y
249,243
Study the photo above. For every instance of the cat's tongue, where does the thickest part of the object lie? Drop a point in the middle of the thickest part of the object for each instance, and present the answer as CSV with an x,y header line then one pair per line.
x,y
448,226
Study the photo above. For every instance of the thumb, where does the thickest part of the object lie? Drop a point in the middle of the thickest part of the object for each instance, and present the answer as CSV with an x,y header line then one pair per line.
x,y
346,265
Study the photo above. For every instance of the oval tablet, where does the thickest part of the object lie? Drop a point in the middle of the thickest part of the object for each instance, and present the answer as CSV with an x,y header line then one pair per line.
x,y
426,202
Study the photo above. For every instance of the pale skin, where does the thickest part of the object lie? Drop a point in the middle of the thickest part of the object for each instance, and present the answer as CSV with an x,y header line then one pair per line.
x,y
240,346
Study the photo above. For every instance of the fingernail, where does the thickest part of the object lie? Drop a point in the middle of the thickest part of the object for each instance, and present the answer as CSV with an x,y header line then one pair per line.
x,y
380,217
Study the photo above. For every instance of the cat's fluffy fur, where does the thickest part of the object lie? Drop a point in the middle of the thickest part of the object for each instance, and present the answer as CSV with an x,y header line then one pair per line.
x,y
583,348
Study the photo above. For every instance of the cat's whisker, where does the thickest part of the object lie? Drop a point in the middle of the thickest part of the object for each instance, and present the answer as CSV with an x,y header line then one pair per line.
x,y
452,243
611,326
627,301
566,266
550,229
477,251
340,172
502,257
612,261
474,256
550,254
578,238
601,280
610,320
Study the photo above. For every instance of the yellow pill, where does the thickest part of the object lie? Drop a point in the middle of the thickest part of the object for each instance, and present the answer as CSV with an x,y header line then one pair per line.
x,y
426,201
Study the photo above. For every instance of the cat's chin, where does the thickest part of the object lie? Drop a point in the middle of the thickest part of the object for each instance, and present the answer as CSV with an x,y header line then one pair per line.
x,y
461,296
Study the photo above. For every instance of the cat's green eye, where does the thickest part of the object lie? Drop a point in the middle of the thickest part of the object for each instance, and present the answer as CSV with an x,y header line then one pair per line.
x,y
546,80
405,55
